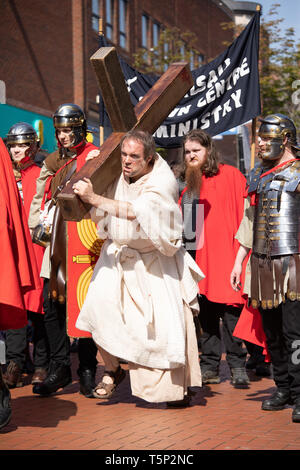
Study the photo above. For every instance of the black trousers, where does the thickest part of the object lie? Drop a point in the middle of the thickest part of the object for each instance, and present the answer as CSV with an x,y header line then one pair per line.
x,y
87,352
282,329
16,343
59,342
55,324
211,338
256,352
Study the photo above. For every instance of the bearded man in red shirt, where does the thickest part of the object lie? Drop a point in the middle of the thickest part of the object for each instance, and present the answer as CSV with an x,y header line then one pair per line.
x,y
212,205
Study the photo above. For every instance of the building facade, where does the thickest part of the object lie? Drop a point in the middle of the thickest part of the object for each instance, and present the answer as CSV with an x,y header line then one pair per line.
x,y
46,49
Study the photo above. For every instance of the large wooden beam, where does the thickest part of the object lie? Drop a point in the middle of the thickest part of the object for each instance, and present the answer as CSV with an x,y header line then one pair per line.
x,y
113,89
150,112
162,98
102,170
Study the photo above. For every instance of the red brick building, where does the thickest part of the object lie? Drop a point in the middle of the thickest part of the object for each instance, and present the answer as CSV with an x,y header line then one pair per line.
x,y
46,45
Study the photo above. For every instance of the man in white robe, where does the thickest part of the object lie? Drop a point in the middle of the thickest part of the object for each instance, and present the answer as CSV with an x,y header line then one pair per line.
x,y
140,302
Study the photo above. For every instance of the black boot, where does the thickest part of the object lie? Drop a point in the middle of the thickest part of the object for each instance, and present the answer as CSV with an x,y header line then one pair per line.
x,y
239,377
277,401
296,412
5,408
210,377
59,376
87,382
263,369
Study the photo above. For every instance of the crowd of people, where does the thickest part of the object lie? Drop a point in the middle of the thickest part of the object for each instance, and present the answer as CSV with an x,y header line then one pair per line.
x,y
201,251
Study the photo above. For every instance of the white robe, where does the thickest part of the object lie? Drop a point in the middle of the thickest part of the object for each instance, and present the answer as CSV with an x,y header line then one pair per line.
x,y
145,283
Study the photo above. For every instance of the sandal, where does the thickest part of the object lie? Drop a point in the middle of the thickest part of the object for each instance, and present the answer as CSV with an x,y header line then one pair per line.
x,y
118,376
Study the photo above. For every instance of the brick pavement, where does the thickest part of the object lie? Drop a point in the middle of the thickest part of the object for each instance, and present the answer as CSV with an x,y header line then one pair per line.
x,y
221,418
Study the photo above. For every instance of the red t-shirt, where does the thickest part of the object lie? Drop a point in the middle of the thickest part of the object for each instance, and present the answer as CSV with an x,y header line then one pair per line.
x,y
222,204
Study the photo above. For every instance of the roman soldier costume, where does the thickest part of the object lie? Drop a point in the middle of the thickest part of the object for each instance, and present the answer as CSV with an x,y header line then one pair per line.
x,y
18,356
273,220
275,261
55,173
26,173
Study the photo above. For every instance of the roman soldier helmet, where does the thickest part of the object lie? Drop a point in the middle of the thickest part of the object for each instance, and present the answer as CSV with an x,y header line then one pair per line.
x,y
23,133
71,115
277,127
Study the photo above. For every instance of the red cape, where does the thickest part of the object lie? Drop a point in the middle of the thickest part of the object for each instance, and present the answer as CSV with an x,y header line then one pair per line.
x,y
33,298
249,328
222,198
83,153
18,273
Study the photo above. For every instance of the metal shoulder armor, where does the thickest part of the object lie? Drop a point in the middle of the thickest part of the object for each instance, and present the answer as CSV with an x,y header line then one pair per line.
x,y
253,177
276,228
291,176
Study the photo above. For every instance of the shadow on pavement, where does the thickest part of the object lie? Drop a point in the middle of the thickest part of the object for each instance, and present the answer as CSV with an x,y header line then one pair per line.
x,y
43,412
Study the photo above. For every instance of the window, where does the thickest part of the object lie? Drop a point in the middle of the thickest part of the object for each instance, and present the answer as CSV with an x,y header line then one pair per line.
x,y
145,29
192,60
156,33
122,23
200,60
145,36
166,55
182,52
109,10
155,40
95,15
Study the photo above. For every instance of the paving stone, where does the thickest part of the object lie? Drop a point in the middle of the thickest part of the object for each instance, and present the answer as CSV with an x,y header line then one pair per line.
x,y
220,418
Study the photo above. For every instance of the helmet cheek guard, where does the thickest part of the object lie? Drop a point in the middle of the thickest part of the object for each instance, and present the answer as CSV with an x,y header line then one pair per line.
x,y
32,150
274,150
276,128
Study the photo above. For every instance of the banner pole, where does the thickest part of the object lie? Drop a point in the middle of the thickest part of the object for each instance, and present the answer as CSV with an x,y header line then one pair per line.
x,y
253,137
101,128
253,129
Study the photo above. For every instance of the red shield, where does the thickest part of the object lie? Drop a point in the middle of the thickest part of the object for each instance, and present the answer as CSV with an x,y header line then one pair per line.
x,y
83,250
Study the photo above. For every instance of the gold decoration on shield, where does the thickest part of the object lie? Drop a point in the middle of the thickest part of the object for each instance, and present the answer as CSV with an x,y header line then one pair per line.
x,y
87,233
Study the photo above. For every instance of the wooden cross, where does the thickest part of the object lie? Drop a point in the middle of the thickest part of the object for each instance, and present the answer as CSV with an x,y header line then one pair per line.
x,y
147,115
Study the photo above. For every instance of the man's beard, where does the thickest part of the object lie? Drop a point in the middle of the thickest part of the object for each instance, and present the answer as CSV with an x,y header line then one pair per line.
x,y
193,178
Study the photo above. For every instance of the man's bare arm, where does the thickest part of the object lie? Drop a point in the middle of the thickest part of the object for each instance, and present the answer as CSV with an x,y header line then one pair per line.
x,y
235,277
120,209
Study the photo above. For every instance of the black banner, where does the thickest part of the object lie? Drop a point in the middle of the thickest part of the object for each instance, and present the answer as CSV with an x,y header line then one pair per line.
x,y
225,93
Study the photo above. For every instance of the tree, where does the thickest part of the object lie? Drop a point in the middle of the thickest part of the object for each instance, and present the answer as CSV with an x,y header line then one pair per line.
x,y
279,60
173,46
279,67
